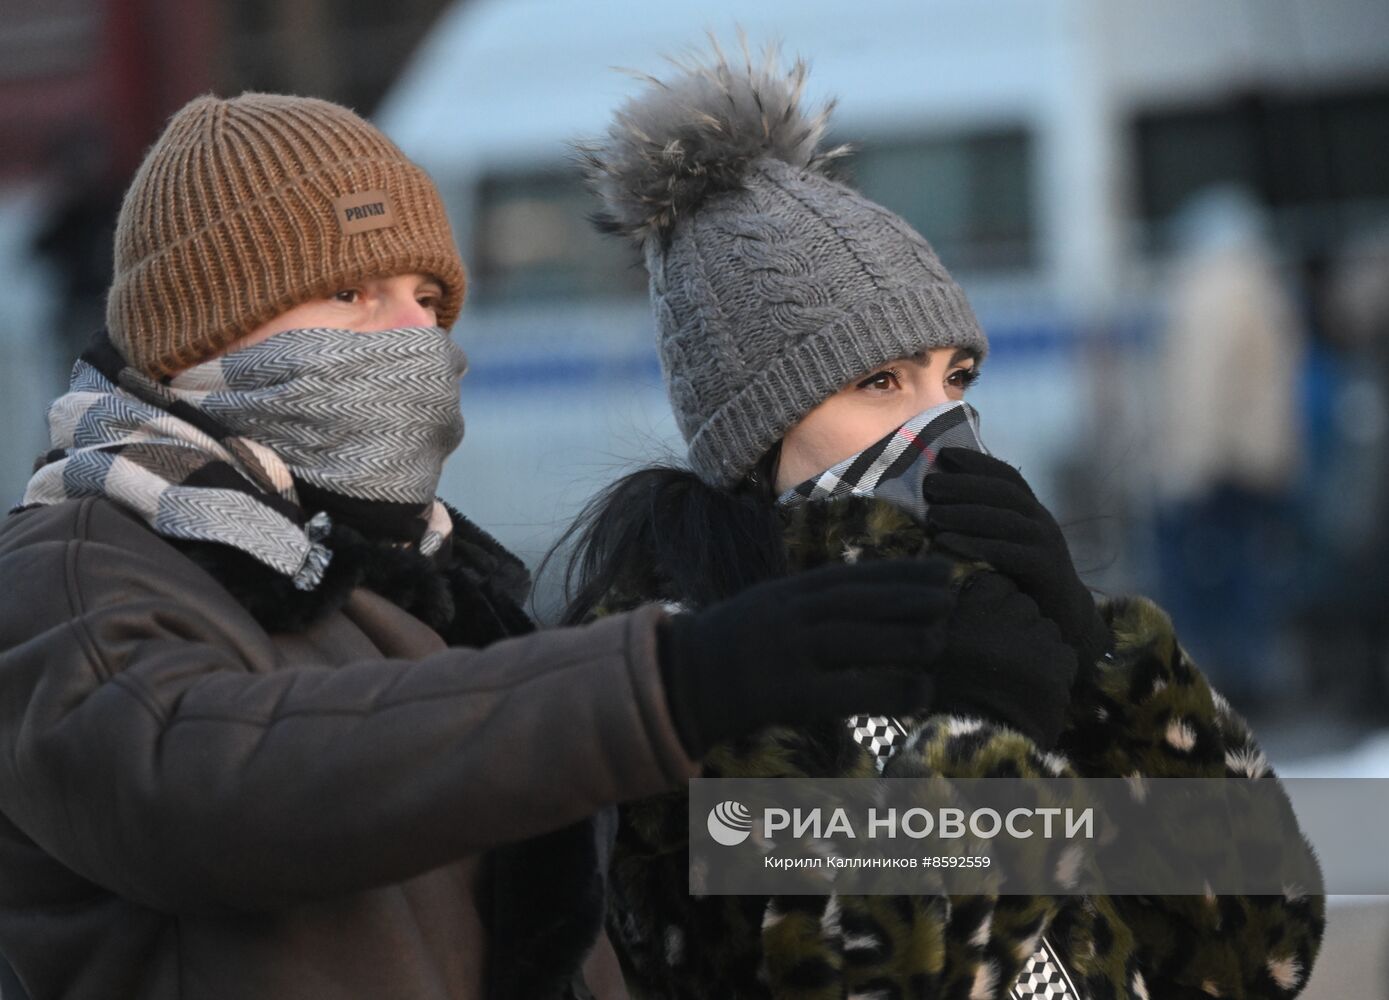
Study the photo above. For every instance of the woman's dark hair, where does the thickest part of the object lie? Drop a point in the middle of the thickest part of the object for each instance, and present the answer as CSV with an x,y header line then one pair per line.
x,y
663,527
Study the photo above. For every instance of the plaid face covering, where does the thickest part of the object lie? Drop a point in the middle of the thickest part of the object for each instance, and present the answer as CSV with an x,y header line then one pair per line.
x,y
225,451
894,468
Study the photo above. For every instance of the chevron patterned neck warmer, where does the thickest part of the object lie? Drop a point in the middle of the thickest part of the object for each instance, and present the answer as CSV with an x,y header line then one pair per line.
x,y
258,449
894,467
364,415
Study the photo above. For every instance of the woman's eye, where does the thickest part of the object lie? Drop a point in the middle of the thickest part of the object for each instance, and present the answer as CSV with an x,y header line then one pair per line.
x,y
348,295
882,380
963,378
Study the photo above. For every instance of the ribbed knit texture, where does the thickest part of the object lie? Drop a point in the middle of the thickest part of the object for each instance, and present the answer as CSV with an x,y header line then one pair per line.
x,y
770,299
230,221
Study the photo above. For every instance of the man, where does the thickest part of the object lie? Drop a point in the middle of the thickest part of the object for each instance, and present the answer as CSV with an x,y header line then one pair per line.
x,y
273,722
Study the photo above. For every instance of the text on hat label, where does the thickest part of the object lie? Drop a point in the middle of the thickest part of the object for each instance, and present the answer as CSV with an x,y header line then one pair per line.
x,y
363,211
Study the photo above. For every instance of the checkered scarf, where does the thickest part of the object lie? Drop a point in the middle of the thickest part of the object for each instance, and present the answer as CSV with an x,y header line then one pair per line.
x,y
894,468
228,450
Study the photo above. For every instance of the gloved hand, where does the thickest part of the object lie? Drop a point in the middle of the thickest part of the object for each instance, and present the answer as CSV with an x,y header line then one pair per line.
x,y
1004,661
834,641
982,508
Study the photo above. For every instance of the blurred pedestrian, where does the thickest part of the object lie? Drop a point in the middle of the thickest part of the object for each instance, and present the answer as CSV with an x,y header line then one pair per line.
x,y
76,237
818,355
1229,452
1358,501
1345,495
272,720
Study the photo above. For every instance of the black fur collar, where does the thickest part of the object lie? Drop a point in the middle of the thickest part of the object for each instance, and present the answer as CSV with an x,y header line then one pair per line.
x,y
471,599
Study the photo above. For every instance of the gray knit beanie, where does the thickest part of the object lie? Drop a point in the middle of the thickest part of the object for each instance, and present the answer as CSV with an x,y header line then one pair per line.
x,y
773,285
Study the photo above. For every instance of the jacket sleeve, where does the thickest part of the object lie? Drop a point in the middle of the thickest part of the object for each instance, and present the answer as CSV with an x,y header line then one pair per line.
x,y
1151,714
147,746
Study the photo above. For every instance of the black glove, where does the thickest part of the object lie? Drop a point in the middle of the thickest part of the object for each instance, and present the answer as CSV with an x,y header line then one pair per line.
x,y
981,508
837,640
1004,661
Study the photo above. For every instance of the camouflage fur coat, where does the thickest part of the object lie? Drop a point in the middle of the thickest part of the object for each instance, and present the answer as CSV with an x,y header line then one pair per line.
x,y
1145,711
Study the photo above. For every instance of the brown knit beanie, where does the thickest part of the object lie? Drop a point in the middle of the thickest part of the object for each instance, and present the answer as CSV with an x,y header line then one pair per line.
x,y
245,208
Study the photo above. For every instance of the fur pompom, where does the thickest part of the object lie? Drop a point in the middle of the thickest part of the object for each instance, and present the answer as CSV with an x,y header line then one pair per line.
x,y
695,135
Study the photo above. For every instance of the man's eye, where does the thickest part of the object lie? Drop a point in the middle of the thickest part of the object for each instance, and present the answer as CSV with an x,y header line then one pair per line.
x,y
348,295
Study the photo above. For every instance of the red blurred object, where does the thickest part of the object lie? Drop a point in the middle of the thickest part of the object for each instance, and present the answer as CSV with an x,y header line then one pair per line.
x,y
92,81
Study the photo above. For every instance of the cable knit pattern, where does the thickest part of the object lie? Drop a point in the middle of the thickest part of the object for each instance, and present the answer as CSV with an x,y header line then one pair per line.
x,y
849,227
811,288
773,285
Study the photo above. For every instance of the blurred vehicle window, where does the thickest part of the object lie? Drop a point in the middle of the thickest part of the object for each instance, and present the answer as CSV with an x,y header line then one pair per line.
x,y
533,241
970,194
1315,160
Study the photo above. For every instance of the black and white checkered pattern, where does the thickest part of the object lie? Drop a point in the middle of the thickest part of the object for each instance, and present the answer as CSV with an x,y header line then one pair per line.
x,y
880,735
1044,977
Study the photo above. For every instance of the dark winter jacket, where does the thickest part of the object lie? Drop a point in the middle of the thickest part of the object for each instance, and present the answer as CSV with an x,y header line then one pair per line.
x,y
1148,711
213,785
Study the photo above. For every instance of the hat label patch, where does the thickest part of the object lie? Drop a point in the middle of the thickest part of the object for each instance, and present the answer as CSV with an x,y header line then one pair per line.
x,y
363,211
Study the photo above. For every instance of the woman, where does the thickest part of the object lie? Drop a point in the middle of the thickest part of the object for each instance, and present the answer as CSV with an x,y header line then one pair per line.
x,y
818,356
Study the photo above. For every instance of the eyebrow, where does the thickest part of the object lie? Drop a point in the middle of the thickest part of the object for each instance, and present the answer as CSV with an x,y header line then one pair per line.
x,y
923,357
